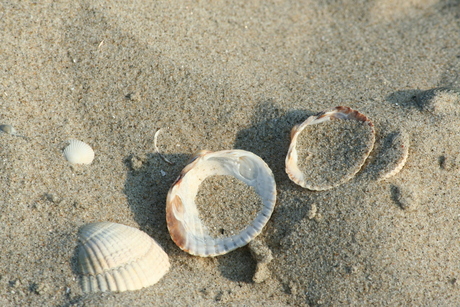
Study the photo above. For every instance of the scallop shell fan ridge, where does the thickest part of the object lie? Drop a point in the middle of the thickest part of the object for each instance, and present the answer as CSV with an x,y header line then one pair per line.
x,y
78,152
115,257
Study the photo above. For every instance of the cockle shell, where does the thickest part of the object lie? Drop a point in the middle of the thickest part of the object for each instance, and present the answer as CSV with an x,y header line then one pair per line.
x,y
182,216
78,152
115,257
333,157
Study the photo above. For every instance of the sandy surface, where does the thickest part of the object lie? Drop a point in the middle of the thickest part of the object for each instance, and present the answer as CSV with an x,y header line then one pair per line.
x,y
220,76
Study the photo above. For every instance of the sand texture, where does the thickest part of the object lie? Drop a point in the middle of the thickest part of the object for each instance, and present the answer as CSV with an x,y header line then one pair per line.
x,y
333,151
226,206
231,75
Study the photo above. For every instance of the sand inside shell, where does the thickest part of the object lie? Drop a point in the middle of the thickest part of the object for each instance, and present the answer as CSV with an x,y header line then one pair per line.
x,y
330,153
226,205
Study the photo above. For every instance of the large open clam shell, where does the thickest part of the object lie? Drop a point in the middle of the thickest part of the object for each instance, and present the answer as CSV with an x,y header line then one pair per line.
x,y
182,216
333,152
115,257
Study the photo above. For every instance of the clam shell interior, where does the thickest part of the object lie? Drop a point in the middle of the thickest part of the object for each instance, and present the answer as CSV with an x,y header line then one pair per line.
x,y
115,257
78,152
334,147
184,224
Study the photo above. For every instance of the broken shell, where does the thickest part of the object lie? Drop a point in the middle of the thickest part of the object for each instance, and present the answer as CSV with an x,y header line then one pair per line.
x,y
332,153
115,257
184,224
393,156
8,129
78,152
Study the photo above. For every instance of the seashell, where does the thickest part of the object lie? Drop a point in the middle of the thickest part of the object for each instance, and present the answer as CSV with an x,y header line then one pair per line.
x,y
8,129
115,257
392,152
186,228
78,152
321,157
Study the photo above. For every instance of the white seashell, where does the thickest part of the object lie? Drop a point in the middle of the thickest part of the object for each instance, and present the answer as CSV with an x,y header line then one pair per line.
x,y
115,257
78,152
328,165
182,216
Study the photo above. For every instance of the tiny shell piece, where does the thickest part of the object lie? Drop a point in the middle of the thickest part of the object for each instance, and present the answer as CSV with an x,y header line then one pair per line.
x,y
184,225
78,152
324,172
115,257
8,129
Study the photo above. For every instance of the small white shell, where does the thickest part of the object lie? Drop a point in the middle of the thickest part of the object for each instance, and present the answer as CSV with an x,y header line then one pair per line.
x,y
78,152
8,129
115,257
184,225
321,177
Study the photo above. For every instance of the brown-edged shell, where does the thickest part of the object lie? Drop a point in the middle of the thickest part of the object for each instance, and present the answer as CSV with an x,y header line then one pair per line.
x,y
186,228
329,148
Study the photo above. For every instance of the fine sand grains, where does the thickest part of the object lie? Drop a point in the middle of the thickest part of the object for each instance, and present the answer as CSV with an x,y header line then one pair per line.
x,y
392,152
226,205
330,153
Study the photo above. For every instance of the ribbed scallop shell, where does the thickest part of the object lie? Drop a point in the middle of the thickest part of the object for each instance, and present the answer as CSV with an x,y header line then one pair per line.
x,y
352,166
184,225
78,152
115,257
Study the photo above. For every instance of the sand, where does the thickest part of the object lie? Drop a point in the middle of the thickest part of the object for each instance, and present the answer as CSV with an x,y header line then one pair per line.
x,y
219,76
332,152
226,206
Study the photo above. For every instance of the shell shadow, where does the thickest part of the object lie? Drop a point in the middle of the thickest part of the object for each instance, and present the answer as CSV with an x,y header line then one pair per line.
x,y
269,136
76,271
147,184
417,98
405,98
238,265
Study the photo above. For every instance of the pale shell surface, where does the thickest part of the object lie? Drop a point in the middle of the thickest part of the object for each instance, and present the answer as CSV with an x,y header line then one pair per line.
x,y
182,216
332,157
8,129
115,257
78,152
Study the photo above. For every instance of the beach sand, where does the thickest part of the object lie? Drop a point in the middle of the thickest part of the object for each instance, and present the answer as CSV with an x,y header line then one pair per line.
x,y
220,76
